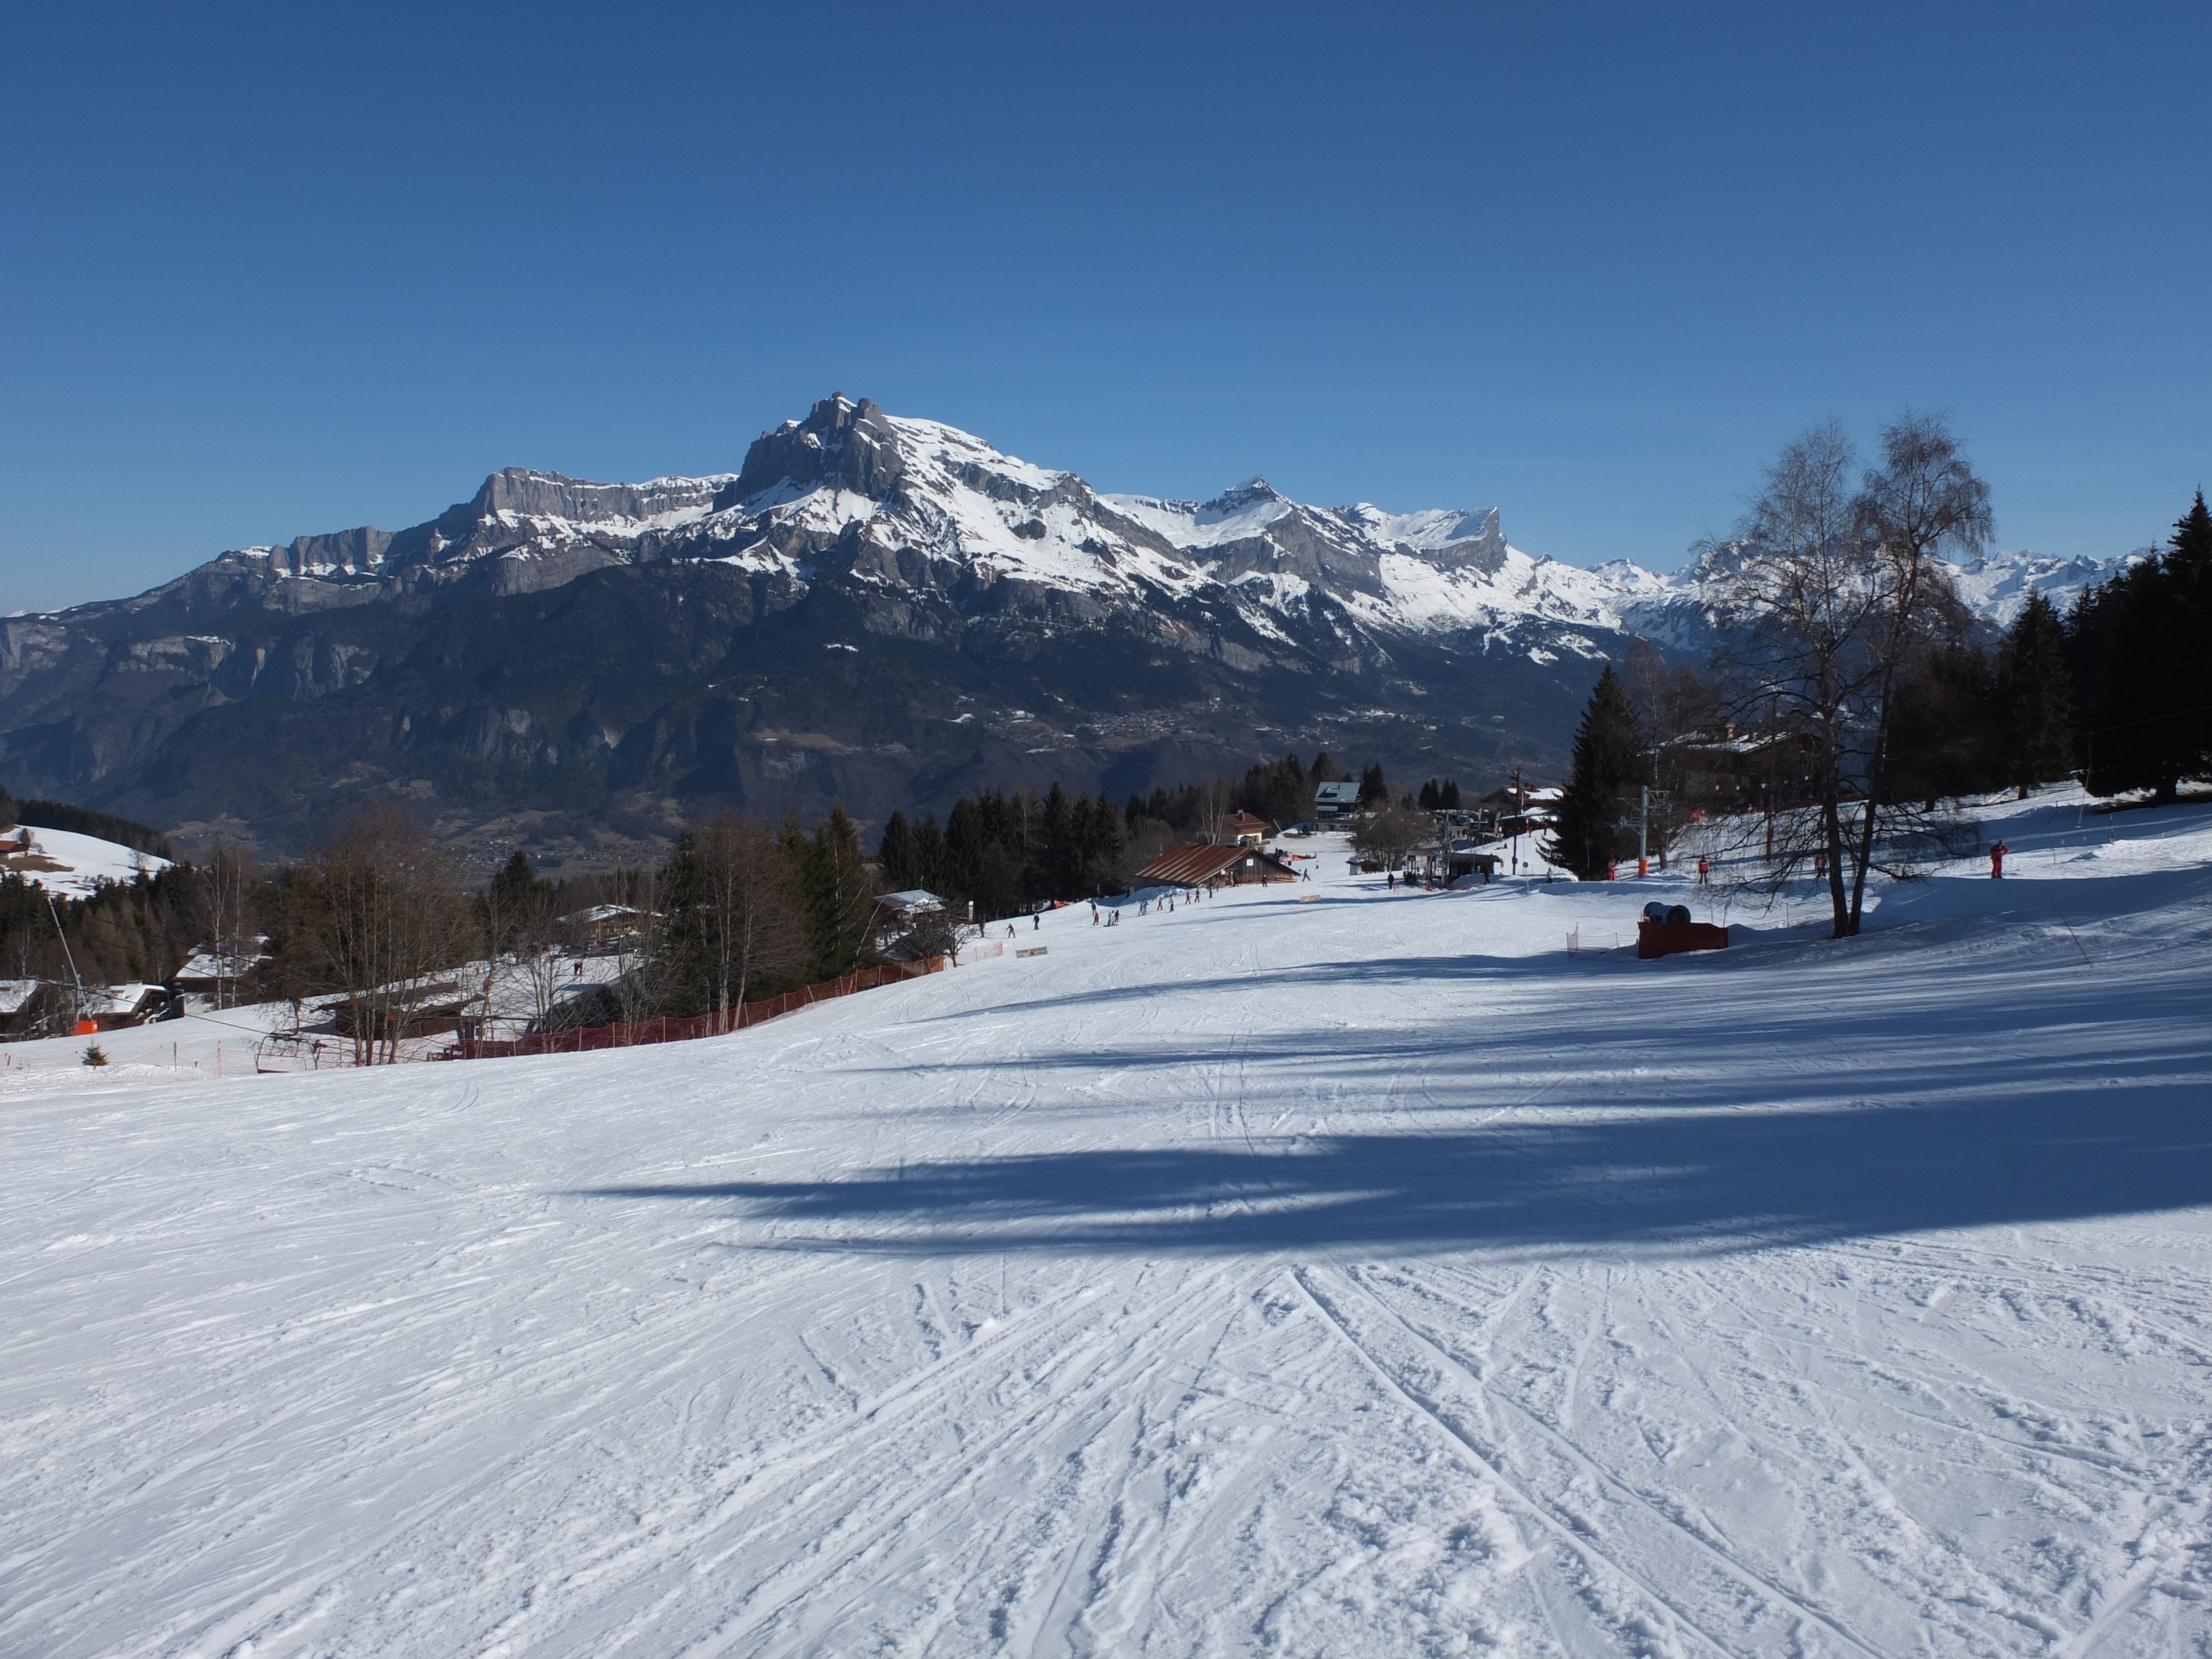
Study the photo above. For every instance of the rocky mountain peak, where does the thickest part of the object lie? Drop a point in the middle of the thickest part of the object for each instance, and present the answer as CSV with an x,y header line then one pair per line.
x,y
1255,491
846,444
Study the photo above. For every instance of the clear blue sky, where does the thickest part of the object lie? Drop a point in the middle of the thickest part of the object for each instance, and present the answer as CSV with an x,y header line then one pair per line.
x,y
270,271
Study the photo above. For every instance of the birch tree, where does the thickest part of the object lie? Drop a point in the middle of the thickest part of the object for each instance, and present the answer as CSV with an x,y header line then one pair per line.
x,y
1838,588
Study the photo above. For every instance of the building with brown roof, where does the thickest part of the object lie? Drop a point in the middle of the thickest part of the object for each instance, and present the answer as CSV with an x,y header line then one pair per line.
x,y
1244,827
1213,864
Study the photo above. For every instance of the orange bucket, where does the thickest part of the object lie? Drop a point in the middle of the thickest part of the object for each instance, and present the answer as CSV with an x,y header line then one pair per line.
x,y
87,1028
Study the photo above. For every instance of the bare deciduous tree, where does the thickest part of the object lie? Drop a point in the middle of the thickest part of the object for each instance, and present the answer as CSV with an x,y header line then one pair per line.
x,y
1836,592
385,915
227,884
1392,835
1676,707
752,926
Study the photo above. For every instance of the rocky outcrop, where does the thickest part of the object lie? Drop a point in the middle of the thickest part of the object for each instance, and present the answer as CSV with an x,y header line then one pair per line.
x,y
840,445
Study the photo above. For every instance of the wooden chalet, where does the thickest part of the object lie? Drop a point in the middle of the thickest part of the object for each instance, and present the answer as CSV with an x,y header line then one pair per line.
x,y
603,926
44,1007
1213,864
208,972
36,1008
112,1007
1244,830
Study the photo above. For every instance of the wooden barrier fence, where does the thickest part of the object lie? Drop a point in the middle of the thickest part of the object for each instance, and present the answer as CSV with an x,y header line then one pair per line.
x,y
683,1029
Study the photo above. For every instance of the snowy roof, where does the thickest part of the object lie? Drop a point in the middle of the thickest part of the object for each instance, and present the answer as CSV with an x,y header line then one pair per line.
x,y
914,898
118,999
204,964
1345,791
15,993
601,912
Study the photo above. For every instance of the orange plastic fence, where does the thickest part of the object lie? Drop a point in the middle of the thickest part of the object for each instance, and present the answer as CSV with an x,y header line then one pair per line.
x,y
639,1033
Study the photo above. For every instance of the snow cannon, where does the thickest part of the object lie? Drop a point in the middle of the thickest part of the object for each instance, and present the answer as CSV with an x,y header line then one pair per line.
x,y
1667,928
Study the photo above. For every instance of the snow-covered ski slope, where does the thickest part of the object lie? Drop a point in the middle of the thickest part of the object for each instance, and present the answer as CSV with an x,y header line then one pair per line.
x,y
74,866
1310,1271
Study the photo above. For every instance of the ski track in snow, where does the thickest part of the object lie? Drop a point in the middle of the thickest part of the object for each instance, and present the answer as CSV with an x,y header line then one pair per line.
x,y
1362,1276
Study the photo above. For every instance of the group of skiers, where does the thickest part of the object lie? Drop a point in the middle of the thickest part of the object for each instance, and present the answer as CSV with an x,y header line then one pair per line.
x,y
1111,917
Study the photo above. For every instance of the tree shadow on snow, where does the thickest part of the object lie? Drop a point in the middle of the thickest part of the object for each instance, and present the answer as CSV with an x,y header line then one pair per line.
x,y
1664,1181
1733,1112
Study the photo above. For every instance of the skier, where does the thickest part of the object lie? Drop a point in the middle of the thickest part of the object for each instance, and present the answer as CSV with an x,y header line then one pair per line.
x,y
1704,870
1998,851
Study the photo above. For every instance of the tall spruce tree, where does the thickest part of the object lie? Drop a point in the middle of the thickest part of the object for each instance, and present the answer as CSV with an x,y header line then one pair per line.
x,y
1607,758
927,850
2038,699
2141,649
2188,567
894,855
837,894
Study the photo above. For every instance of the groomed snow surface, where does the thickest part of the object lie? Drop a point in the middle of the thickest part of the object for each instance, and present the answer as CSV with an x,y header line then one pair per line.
x,y
82,862
1315,1270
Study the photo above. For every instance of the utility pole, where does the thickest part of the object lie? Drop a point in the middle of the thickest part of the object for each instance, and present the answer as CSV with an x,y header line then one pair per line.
x,y
1644,831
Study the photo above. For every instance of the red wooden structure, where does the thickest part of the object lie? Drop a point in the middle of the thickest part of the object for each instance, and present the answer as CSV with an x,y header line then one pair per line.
x,y
1664,938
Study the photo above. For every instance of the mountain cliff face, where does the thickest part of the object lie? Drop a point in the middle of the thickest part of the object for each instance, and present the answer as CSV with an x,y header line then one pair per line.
x,y
873,609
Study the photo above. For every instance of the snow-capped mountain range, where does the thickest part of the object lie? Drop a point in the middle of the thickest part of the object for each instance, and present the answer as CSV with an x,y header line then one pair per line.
x,y
922,503
578,641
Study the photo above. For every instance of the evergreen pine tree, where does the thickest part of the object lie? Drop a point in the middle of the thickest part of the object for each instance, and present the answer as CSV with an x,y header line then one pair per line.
x,y
967,852
1608,756
837,892
2038,699
2190,548
679,968
928,854
1056,874
2141,649
1372,788
1428,801
2188,569
895,854
1106,852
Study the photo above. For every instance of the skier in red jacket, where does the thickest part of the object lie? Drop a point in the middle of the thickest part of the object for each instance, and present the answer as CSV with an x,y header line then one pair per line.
x,y
1997,850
